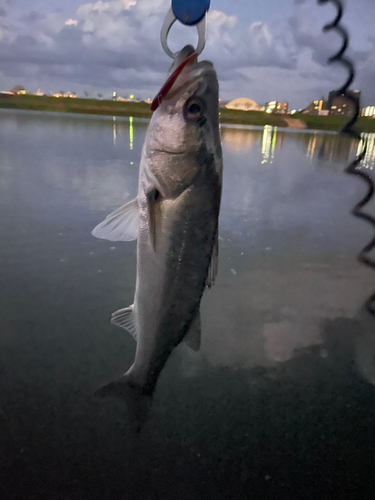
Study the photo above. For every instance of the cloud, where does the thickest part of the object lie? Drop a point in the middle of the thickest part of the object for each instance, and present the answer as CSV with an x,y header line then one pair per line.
x,y
3,12
306,28
32,17
122,34
115,45
71,22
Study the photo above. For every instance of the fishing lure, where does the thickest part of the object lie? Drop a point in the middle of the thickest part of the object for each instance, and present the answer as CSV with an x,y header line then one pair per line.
x,y
348,129
189,13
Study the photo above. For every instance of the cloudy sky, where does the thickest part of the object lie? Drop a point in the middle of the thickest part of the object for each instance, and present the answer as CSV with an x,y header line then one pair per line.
x,y
262,49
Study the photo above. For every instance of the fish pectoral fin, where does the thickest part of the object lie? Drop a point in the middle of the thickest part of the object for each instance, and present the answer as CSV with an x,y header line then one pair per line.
x,y
121,224
125,318
193,337
212,270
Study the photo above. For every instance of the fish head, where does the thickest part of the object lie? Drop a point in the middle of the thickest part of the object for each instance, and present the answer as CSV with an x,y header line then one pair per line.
x,y
186,122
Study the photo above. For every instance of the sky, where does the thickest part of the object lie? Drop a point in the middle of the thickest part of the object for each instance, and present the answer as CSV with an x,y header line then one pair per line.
x,y
262,49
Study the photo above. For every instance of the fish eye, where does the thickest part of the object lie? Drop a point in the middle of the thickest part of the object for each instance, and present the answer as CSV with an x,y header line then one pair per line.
x,y
193,109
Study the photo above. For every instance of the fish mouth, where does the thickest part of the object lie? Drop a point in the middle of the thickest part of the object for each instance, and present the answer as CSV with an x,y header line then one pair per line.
x,y
184,71
187,53
198,73
167,152
181,57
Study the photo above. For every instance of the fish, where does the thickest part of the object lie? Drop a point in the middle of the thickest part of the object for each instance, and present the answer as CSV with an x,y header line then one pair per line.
x,y
175,219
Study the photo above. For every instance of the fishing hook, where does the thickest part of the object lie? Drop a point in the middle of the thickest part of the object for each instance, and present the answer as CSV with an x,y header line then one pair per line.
x,y
354,167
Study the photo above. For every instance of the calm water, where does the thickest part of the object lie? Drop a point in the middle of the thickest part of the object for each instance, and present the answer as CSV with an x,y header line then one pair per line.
x,y
280,401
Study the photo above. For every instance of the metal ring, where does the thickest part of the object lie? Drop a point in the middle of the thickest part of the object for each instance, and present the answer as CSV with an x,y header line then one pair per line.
x,y
169,20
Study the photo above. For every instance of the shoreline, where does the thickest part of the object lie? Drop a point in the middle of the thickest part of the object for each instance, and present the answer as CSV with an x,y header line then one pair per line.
x,y
297,121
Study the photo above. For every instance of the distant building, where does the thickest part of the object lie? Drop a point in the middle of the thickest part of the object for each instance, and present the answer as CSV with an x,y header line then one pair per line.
x,y
341,105
6,94
17,91
243,104
276,107
368,111
66,94
316,107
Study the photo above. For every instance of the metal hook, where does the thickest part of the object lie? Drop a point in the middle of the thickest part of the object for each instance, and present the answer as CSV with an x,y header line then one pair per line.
x,y
169,20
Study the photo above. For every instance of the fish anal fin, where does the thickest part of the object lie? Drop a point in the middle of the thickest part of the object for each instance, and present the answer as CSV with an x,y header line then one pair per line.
x,y
193,337
212,270
125,318
121,224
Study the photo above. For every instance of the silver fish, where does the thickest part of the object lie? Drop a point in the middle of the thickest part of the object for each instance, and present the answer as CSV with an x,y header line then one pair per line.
x,y
175,217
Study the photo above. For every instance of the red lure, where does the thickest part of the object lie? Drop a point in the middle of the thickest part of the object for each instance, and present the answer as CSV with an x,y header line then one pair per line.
x,y
170,81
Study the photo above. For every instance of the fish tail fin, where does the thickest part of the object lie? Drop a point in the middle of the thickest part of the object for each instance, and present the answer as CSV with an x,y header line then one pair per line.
x,y
137,399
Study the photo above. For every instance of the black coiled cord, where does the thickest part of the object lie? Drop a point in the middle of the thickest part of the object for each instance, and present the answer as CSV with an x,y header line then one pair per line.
x,y
353,168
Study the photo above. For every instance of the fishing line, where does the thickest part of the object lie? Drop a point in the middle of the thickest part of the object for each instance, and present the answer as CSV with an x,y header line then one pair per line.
x,y
354,167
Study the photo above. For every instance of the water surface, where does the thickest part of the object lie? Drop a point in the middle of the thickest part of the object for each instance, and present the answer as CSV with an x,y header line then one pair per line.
x,y
280,400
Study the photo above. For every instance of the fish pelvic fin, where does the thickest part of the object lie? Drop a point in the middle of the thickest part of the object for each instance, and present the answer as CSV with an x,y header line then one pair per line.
x,y
125,318
137,399
121,224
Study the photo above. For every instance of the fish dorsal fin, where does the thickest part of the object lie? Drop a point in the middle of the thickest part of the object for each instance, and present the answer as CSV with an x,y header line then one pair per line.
x,y
212,270
193,337
121,224
125,318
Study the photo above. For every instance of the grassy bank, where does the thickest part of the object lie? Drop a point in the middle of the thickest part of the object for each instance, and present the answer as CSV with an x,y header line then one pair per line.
x,y
250,118
70,105
142,110
334,122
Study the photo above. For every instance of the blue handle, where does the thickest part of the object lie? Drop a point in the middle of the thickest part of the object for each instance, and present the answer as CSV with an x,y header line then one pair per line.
x,y
190,12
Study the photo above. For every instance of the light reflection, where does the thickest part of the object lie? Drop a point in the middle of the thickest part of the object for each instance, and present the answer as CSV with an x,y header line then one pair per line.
x,y
237,139
311,146
114,130
319,146
368,141
328,147
269,143
273,143
131,133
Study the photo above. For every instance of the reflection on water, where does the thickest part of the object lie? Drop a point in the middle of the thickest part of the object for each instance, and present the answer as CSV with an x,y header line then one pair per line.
x,y
311,146
367,141
329,147
131,132
333,147
324,147
282,377
239,139
269,143
117,125
114,130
